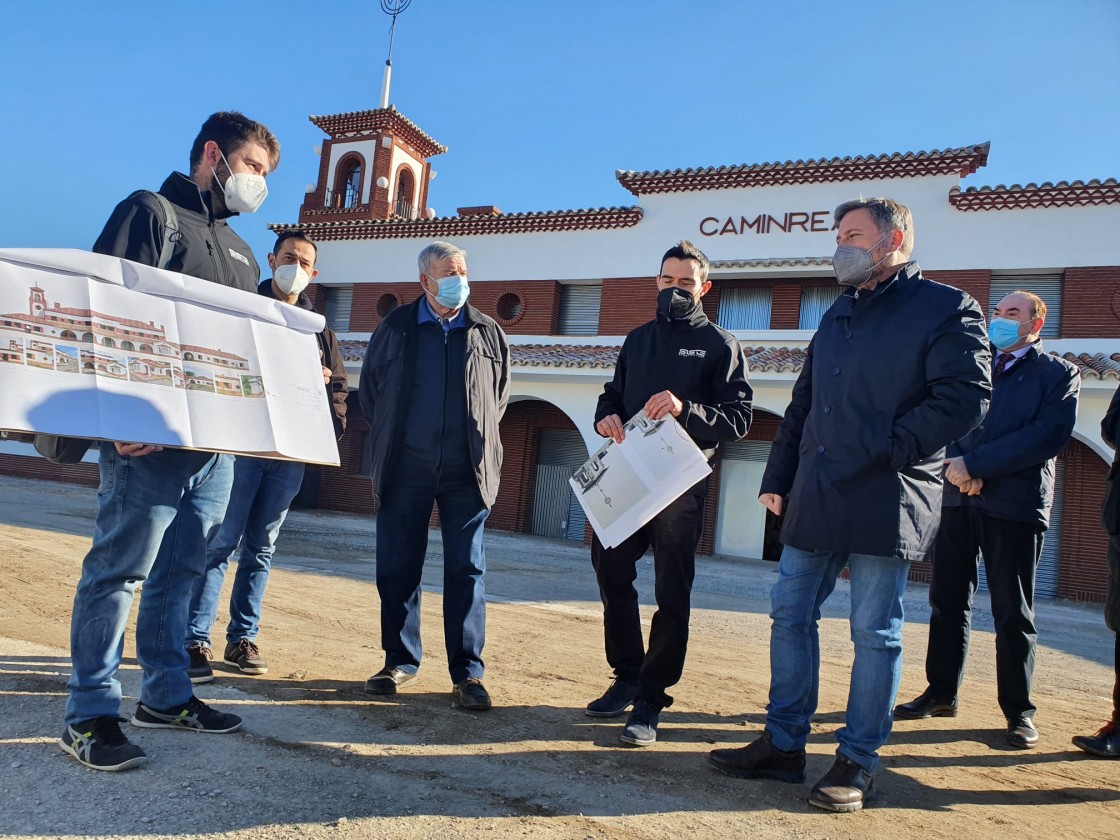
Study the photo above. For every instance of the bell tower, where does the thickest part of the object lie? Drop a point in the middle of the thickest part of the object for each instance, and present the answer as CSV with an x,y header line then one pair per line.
x,y
374,166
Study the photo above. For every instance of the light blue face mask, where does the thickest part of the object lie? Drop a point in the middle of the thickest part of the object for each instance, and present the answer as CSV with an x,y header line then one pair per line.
x,y
1004,333
453,291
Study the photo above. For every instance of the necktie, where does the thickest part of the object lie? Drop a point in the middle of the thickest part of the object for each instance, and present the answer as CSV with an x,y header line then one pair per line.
x,y
1003,362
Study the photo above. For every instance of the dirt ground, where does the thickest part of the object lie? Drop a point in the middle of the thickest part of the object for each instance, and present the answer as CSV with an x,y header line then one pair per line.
x,y
319,758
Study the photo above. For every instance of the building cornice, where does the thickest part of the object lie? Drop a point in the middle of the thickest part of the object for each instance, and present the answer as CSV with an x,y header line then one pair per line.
x,y
541,222
1019,197
962,161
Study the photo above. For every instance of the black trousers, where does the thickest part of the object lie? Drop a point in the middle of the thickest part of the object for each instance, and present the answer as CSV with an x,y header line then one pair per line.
x,y
1011,551
673,534
1112,615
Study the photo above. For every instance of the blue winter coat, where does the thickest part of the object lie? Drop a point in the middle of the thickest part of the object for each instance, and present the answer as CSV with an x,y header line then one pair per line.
x,y
891,378
1034,407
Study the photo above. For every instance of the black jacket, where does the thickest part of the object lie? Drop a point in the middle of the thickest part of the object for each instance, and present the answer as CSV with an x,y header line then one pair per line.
x,y
387,373
330,356
206,247
700,363
890,379
1110,431
1034,407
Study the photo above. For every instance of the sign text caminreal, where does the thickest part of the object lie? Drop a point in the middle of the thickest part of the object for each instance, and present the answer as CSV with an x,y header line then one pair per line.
x,y
814,222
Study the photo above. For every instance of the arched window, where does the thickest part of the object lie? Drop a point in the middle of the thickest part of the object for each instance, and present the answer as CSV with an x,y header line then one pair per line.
x,y
406,189
127,345
108,342
68,335
350,191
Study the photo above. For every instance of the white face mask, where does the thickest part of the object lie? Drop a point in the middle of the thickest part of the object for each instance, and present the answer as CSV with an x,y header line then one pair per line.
x,y
244,191
291,279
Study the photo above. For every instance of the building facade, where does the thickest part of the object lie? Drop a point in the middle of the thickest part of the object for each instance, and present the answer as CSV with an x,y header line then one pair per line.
x,y
568,285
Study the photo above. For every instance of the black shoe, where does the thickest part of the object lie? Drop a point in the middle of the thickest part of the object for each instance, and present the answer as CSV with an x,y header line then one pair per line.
x,y
925,705
760,760
1106,743
245,656
1021,733
615,701
99,744
388,680
195,715
470,695
846,787
199,670
641,726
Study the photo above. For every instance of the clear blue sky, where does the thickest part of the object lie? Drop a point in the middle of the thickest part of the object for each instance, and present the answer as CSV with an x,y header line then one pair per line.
x,y
540,101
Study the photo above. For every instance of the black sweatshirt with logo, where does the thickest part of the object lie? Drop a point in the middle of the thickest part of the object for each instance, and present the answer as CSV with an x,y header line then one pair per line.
x,y
702,364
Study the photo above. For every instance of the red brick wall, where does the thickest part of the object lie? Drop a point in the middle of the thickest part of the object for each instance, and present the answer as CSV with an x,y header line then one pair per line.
x,y
627,302
785,308
32,466
540,304
343,488
710,302
1091,302
363,309
1083,573
976,283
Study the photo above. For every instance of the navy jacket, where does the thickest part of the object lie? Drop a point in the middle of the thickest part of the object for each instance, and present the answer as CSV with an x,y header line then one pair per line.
x,y
890,379
1034,407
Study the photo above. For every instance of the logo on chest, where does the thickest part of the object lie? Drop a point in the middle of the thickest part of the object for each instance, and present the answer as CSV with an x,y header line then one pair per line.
x,y
237,256
693,354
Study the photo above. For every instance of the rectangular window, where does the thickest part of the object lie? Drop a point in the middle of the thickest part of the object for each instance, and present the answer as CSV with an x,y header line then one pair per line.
x,y
745,308
579,309
1046,286
815,301
336,306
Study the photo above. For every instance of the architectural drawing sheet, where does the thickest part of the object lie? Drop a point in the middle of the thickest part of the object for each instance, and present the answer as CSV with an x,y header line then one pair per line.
x,y
623,486
100,347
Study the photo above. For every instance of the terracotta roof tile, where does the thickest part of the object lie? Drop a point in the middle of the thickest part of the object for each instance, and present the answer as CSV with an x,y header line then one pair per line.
x,y
962,161
774,262
1016,197
1096,365
357,123
549,220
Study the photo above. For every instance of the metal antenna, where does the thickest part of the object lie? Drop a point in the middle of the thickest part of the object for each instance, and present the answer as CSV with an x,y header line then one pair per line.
x,y
391,8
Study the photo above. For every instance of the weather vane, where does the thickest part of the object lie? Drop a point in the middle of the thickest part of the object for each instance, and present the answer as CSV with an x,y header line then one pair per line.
x,y
392,8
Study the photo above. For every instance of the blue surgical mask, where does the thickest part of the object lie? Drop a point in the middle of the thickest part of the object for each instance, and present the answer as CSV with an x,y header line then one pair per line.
x,y
1004,333
453,291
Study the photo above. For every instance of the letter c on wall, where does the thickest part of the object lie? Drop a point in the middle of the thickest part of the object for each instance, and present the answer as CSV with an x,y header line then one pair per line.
x,y
704,222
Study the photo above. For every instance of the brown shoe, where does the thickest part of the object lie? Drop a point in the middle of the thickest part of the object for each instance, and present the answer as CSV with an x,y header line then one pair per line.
x,y
760,760
846,787
1106,743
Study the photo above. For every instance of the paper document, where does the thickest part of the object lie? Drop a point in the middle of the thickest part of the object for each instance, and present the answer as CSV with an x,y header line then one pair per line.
x,y
99,347
624,485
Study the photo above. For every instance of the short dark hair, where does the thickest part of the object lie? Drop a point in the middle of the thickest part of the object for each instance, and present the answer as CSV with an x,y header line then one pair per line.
x,y
889,216
685,250
298,236
231,130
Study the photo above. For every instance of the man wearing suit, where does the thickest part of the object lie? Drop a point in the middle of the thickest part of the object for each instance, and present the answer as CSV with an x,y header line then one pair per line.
x,y
1106,743
999,486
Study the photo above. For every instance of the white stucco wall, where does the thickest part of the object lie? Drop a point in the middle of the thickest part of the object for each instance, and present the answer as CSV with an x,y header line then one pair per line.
x,y
945,238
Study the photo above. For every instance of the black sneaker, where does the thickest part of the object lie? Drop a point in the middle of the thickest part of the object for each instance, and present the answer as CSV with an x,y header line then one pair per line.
x,y
99,744
760,759
246,656
199,670
388,680
195,715
471,695
615,700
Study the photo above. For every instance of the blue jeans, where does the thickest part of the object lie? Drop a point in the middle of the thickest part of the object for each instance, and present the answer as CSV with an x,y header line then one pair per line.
x,y
402,541
263,490
805,580
154,516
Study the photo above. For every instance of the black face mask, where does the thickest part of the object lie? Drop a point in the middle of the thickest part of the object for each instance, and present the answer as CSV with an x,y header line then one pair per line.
x,y
674,304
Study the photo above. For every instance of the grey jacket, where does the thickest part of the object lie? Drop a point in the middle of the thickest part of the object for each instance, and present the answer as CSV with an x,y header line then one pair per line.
x,y
384,392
